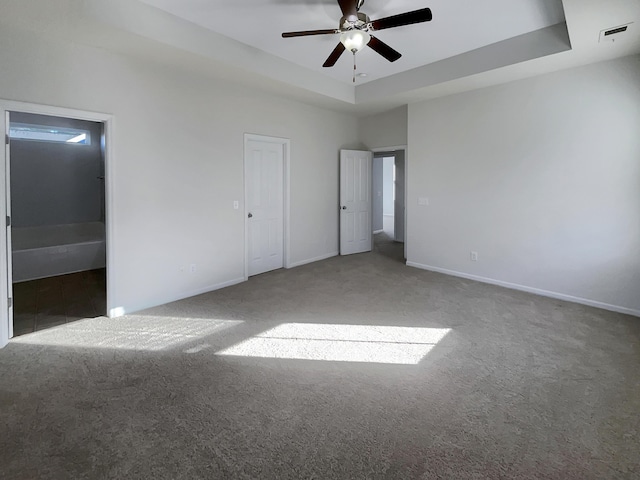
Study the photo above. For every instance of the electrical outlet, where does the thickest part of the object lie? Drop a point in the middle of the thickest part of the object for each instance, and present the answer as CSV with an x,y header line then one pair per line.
x,y
474,256
236,204
192,269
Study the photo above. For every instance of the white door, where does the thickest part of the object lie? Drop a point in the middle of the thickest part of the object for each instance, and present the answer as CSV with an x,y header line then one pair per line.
x,y
264,173
355,201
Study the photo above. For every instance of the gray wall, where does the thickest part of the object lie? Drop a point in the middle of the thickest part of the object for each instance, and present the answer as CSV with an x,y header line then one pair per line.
x,y
387,186
56,183
377,194
541,177
388,129
177,161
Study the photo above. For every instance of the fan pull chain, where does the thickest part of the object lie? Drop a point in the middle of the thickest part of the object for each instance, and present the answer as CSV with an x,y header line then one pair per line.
x,y
354,67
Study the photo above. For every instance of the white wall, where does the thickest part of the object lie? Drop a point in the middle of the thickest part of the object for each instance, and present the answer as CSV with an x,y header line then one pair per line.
x,y
178,161
541,177
399,210
376,192
388,129
387,185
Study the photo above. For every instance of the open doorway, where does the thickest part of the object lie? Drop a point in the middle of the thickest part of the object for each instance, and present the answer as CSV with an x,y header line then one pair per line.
x,y
56,239
388,203
383,205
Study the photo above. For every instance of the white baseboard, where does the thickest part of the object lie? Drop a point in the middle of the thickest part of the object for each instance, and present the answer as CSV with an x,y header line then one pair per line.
x,y
211,288
377,231
120,311
311,260
524,288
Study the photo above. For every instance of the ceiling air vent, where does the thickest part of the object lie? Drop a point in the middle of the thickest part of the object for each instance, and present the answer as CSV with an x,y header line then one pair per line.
x,y
614,33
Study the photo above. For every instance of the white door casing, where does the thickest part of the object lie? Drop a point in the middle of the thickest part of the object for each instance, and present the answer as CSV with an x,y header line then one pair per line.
x,y
6,283
399,206
355,201
264,178
6,106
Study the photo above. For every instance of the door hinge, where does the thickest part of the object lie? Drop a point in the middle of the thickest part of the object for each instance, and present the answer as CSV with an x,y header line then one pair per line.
x,y
10,302
6,139
8,221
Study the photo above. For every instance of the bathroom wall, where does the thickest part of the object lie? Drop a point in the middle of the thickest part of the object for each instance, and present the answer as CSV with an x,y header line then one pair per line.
x,y
56,183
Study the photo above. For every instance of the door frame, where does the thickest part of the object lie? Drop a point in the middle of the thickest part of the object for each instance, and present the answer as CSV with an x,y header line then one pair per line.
x,y
286,185
6,316
394,149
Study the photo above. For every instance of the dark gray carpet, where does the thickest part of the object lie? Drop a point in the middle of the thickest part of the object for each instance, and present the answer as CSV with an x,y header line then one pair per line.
x,y
521,387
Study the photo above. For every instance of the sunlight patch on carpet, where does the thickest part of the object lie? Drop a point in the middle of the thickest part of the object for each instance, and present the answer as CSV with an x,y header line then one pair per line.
x,y
127,333
341,343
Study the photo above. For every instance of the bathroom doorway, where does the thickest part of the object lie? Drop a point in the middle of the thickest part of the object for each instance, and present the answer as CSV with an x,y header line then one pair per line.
x,y
56,233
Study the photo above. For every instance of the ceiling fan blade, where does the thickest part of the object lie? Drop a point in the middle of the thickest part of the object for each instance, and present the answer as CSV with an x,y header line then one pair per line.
x,y
309,32
408,18
383,49
335,55
349,7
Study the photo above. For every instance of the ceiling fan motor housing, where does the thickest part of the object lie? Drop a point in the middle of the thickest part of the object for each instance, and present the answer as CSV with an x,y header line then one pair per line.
x,y
362,23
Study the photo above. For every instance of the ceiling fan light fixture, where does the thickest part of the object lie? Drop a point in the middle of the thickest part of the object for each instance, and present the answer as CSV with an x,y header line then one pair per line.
x,y
355,40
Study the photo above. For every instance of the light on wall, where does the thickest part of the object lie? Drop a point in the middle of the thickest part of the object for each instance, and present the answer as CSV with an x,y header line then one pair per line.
x,y
355,40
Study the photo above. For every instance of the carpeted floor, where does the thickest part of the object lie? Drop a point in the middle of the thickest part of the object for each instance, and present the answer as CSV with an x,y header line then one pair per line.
x,y
377,370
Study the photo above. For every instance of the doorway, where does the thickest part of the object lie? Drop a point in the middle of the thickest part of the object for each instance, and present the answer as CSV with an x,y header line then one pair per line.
x,y
58,241
55,250
388,205
266,164
384,172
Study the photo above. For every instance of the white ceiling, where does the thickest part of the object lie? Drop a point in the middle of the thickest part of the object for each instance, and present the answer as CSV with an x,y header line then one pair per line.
x,y
433,64
458,26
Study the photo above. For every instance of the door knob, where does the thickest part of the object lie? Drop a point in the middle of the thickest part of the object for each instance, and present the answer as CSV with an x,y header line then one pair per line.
x,y
344,207
250,215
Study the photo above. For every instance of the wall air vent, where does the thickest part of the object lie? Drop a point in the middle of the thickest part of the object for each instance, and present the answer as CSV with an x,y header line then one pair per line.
x,y
614,33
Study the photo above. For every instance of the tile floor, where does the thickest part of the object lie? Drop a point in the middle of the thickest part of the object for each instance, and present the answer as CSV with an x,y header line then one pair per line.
x,y
49,302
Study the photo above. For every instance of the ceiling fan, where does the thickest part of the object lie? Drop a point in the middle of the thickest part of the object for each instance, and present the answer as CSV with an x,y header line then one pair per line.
x,y
354,28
